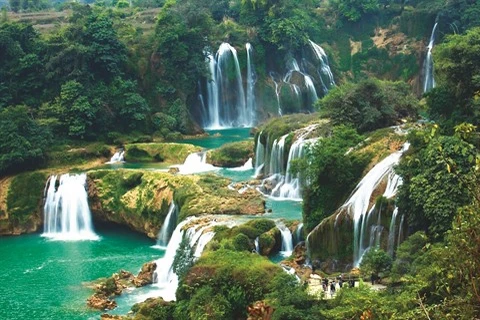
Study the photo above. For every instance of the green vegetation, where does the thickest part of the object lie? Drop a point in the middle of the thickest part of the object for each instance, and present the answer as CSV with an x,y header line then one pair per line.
x,y
172,153
233,154
369,105
21,204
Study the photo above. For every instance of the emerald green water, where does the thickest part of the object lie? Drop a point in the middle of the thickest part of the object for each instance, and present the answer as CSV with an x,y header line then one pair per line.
x,y
44,279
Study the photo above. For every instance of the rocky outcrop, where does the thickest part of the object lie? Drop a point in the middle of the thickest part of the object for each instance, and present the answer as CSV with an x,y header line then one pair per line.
x,y
231,155
260,310
20,211
145,276
270,242
141,199
171,153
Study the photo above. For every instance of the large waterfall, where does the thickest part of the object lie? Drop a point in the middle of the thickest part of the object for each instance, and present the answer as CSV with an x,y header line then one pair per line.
x,y
251,80
357,206
226,101
66,211
429,80
199,231
168,226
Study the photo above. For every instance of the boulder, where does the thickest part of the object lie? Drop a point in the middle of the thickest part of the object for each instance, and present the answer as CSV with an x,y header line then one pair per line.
x,y
101,302
145,276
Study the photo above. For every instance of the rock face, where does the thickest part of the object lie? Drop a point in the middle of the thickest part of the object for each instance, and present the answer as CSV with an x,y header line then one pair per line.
x,y
331,242
141,199
110,287
145,276
20,211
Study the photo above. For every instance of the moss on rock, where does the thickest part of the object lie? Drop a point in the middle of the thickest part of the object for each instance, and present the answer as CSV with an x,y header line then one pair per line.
x,y
233,154
20,203
159,152
141,199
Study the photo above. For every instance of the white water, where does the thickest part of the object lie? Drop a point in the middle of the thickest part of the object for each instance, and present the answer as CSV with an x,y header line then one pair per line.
x,y
429,80
233,111
277,93
168,226
213,120
289,187
277,162
287,239
251,80
246,166
358,203
259,156
195,163
118,157
66,211
298,233
165,279
309,85
325,73
391,232
257,245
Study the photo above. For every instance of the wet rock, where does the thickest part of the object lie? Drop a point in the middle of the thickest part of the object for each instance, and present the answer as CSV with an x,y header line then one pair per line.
x,y
145,276
101,302
107,316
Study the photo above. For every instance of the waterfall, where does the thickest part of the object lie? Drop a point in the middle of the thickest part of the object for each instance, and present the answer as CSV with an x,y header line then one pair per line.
x,y
257,245
259,156
118,157
246,166
213,120
287,240
168,226
195,163
233,107
290,185
66,211
429,81
400,230
309,85
277,92
198,237
251,80
277,156
324,71
299,233
358,203
391,232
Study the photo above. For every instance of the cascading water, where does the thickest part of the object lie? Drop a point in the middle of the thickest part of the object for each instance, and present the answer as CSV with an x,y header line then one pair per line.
x,y
273,76
195,163
198,237
251,80
429,80
232,107
309,85
66,211
118,157
358,203
168,226
257,245
290,186
299,233
259,156
246,166
287,239
213,114
277,156
391,232
324,71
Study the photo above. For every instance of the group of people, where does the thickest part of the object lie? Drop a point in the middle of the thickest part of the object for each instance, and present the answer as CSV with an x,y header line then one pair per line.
x,y
332,284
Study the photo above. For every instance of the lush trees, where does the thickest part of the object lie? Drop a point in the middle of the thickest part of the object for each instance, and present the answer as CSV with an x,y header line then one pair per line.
x,y
375,261
331,173
22,140
368,105
456,98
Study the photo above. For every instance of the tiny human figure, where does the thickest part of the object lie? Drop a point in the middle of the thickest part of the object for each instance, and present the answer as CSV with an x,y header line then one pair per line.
x,y
372,278
332,287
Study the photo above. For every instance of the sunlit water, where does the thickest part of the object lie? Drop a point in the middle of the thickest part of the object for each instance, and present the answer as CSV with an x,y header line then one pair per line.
x,y
45,279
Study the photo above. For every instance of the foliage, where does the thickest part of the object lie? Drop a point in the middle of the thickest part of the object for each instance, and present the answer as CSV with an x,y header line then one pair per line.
x,y
21,205
184,258
456,97
241,242
239,277
232,154
434,174
369,105
353,10
22,141
332,173
375,261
